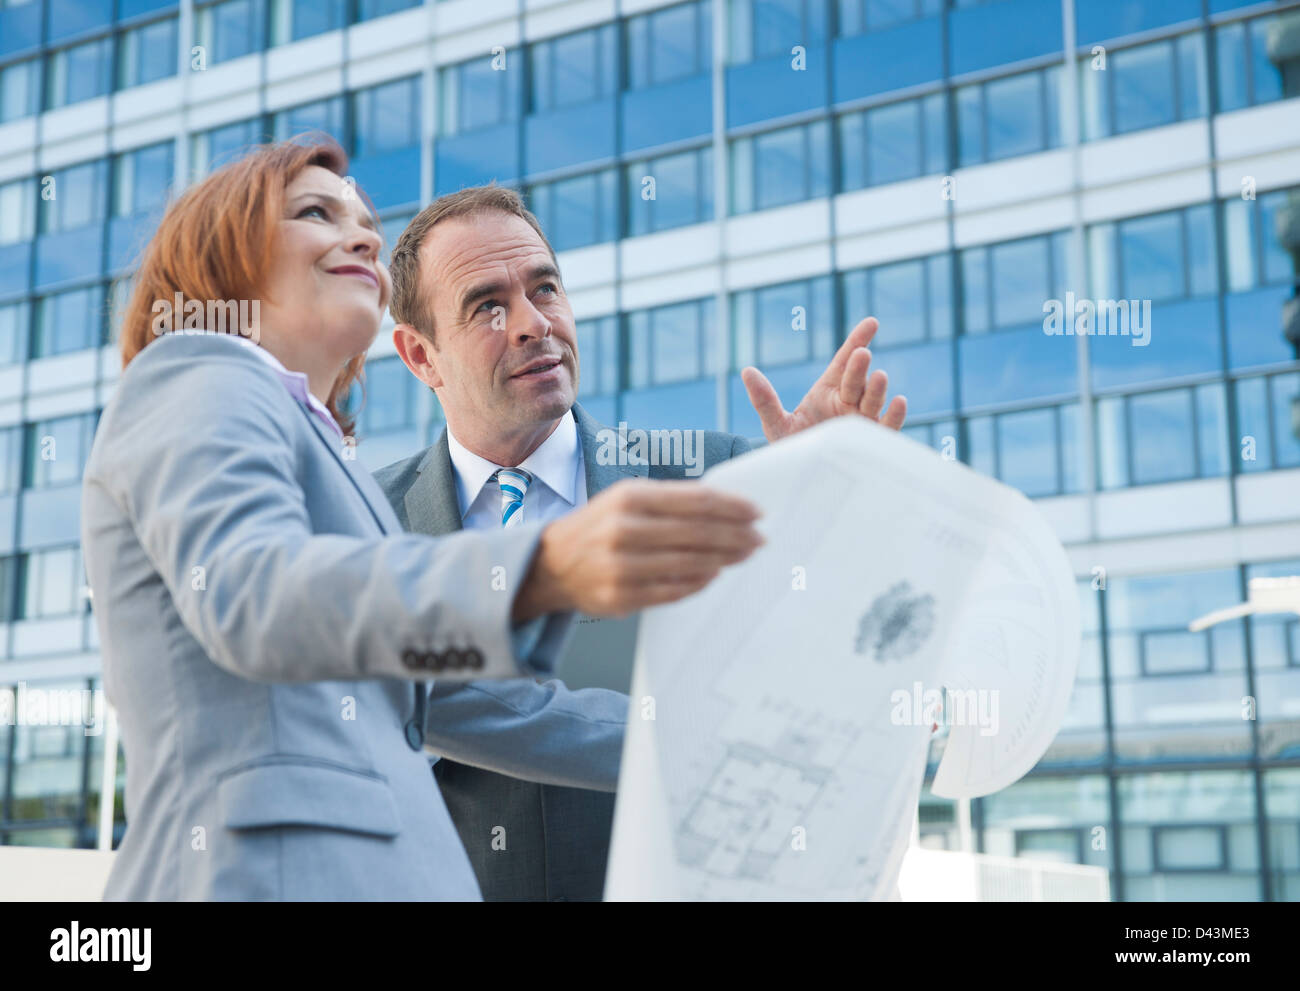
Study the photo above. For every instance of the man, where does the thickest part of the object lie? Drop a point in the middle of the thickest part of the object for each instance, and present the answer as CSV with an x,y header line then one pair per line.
x,y
483,320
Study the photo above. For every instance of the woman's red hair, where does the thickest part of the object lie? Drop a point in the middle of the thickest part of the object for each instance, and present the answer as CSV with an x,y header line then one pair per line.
x,y
216,241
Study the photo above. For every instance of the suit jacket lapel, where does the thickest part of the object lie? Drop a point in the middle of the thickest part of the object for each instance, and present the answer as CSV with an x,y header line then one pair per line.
x,y
331,441
431,505
604,454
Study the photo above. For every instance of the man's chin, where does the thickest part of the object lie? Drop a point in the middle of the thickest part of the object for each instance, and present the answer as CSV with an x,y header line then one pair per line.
x,y
540,408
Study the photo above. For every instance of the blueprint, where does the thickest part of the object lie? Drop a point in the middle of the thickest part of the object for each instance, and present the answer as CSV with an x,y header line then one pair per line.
x,y
780,720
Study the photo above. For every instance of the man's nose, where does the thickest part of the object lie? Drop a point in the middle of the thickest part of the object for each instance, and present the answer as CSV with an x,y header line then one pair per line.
x,y
531,323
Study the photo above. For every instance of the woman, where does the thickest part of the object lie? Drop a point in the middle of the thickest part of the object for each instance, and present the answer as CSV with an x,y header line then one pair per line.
x,y
263,619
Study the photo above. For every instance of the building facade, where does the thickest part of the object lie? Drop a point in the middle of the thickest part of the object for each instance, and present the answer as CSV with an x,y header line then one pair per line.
x,y
731,182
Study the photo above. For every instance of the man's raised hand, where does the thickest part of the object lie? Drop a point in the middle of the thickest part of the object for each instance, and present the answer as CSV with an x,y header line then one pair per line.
x,y
844,388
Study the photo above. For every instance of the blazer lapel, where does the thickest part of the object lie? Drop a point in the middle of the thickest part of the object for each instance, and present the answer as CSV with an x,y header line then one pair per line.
x,y
604,454
431,505
331,441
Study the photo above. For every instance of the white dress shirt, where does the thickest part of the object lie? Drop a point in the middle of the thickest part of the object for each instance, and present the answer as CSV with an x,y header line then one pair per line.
x,y
559,483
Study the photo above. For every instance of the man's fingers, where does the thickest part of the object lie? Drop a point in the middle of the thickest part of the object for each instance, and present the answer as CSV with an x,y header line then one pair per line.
x,y
692,500
763,397
896,414
649,534
854,382
859,337
873,399
658,593
662,566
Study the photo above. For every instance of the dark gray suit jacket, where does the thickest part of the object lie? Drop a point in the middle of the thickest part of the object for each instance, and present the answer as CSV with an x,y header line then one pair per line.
x,y
557,838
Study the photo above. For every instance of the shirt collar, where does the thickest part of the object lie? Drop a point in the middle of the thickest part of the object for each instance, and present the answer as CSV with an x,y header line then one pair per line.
x,y
295,382
555,463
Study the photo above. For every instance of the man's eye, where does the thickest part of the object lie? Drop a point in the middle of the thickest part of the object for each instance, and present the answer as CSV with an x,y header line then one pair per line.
x,y
548,286
488,306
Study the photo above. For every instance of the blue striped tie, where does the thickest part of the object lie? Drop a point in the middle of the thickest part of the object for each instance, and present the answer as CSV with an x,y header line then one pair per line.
x,y
514,483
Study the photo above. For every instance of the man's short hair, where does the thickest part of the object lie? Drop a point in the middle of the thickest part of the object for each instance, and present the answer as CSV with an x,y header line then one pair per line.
x,y
412,303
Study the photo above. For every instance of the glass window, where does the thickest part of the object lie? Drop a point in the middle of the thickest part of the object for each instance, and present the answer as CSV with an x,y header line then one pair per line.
x,y
1016,115
17,211
230,29
1020,281
221,145
78,73
898,292
763,28
784,324
68,321
1240,242
579,211
142,179
20,90
324,116
896,142
911,299
1265,73
1246,74
8,612
680,194
1264,416
1013,279
392,226
1191,77
1233,66
780,167
370,9
861,16
975,290
481,93
11,466
57,449
1276,264
1035,451
52,582
1189,835
75,198
294,19
390,397
147,53
387,117
673,43
1164,436
1145,86
577,68
673,343
1212,429
1151,257
1028,451
598,353
14,328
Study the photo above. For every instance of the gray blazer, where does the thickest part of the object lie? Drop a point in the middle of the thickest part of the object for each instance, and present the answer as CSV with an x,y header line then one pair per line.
x,y
266,631
528,841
